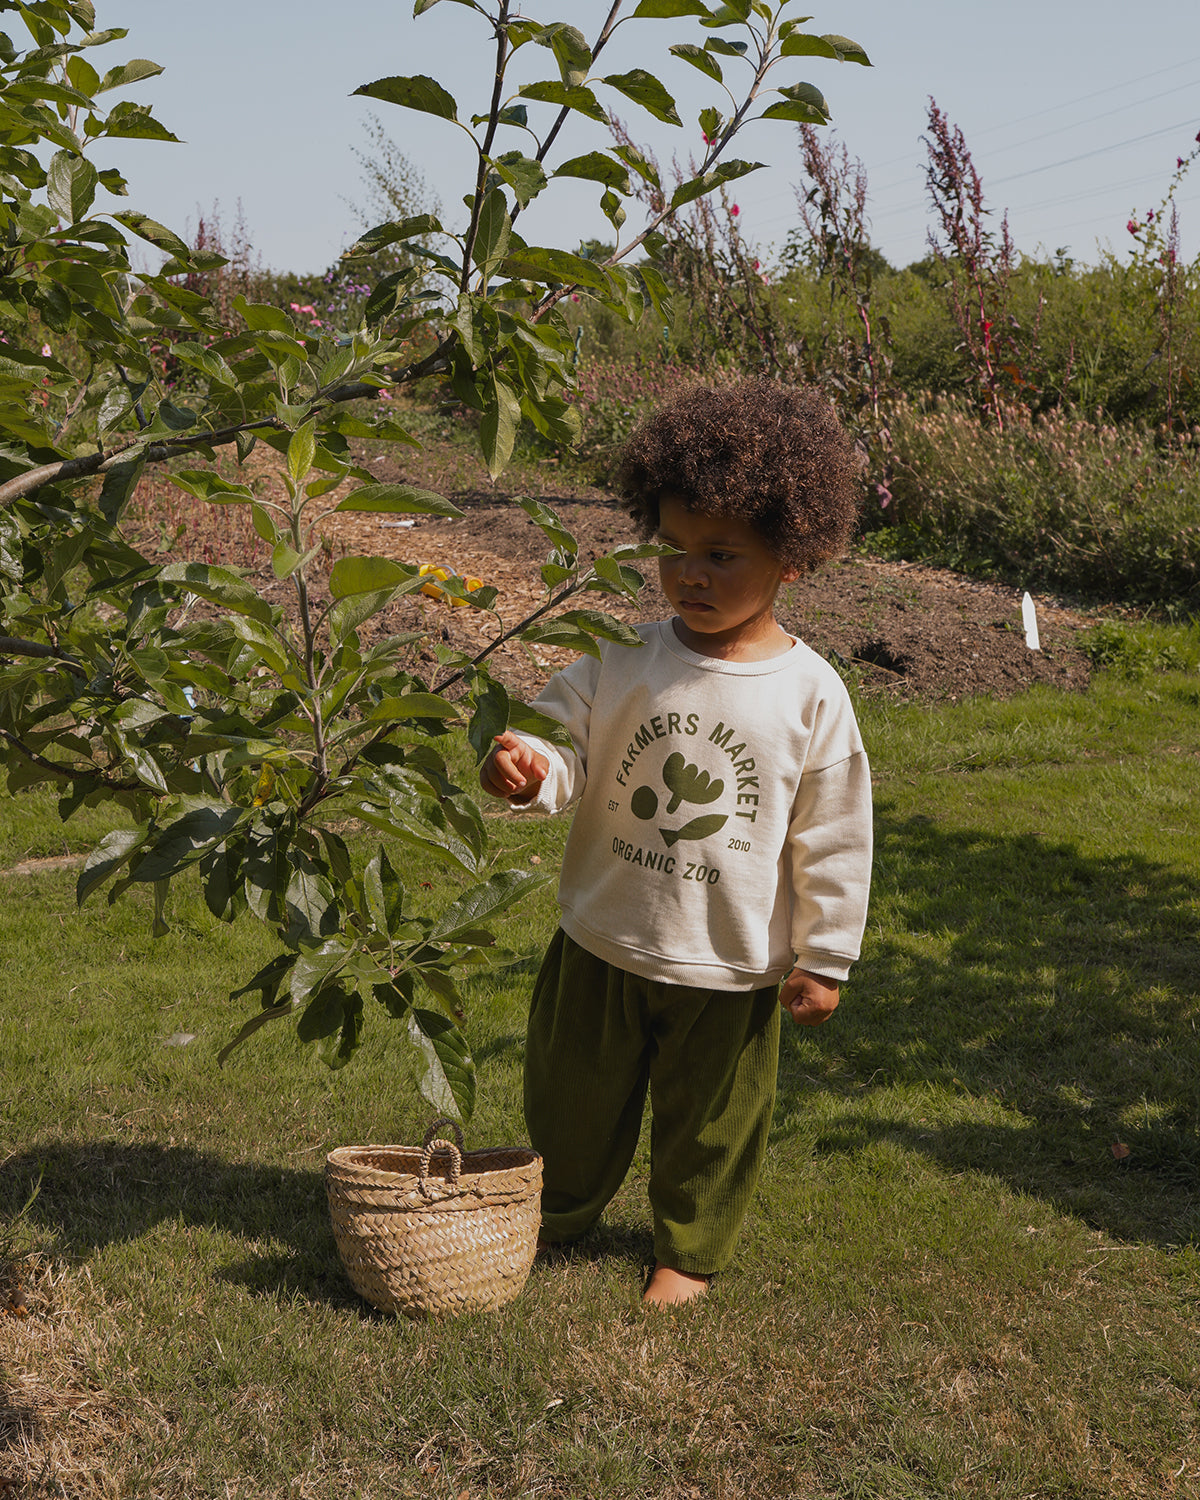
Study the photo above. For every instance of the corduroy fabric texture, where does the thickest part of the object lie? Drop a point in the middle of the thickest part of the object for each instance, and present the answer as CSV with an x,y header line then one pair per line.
x,y
598,1038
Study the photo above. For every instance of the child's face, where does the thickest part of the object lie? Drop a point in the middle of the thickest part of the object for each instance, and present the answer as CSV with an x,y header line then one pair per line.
x,y
722,584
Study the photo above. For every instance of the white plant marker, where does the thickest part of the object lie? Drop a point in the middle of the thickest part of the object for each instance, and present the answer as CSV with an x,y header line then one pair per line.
x,y
1029,620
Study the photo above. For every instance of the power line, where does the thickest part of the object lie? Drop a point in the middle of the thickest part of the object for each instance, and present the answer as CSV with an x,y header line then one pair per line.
x,y
1053,108
1099,151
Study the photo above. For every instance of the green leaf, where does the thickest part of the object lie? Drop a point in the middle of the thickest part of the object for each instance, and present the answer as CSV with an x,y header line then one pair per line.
x,y
699,58
316,964
183,842
206,484
398,499
154,233
571,51
597,166
112,852
220,879
410,706
131,72
71,185
134,122
548,522
849,51
668,9
285,559
394,230
730,13
419,92
311,904
218,586
801,102
580,99
119,484
523,174
492,232
477,906
301,450
160,927
640,163
592,622
273,1013
261,316
448,1082
498,425
804,44
644,89
526,720
489,718
724,171
534,263
323,1014
366,575
424,833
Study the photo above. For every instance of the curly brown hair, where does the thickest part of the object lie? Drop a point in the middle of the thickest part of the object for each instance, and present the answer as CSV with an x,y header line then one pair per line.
x,y
771,455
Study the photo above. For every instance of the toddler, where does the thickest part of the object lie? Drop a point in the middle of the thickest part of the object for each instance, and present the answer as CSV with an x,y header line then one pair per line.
x,y
719,860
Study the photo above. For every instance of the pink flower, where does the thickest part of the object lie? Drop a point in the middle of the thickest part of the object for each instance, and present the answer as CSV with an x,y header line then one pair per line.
x,y
708,139
385,395
1133,227
1179,161
734,211
46,350
1149,216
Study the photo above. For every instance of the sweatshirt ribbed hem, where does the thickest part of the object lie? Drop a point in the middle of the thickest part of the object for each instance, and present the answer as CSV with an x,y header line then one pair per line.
x,y
662,970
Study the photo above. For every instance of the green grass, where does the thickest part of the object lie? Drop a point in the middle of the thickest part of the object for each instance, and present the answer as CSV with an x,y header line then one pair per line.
x,y
949,1285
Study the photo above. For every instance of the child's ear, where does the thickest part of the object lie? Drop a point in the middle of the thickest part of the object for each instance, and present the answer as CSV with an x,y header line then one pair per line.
x,y
789,575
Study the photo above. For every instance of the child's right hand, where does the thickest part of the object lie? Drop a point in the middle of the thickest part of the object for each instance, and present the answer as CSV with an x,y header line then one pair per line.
x,y
513,770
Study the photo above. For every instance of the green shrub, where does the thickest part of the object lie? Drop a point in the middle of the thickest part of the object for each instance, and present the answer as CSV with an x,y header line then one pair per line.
x,y
1053,500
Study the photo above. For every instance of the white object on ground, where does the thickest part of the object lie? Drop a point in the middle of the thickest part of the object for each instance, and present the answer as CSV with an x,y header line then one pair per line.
x,y
400,525
1029,620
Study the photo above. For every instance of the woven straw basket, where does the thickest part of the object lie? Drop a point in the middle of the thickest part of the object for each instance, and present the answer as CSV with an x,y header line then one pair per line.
x,y
434,1228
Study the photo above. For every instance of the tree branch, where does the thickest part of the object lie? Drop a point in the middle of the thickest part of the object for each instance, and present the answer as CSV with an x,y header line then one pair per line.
x,y
11,645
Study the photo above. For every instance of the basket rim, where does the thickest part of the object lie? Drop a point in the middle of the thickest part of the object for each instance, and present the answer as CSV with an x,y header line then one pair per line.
x,y
502,1159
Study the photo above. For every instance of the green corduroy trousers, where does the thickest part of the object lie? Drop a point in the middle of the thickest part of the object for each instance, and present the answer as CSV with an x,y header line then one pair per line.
x,y
598,1039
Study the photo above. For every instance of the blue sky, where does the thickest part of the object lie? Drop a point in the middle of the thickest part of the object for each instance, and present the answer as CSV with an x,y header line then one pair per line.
x,y
1074,113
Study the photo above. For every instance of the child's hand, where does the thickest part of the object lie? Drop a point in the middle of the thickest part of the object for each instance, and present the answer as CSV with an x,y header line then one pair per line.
x,y
513,770
808,998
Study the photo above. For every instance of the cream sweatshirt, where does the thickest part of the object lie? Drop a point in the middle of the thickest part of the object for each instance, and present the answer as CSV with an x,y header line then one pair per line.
x,y
723,828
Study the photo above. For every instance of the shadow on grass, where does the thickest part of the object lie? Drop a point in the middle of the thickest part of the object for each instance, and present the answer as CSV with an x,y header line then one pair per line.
x,y
1058,992
97,1194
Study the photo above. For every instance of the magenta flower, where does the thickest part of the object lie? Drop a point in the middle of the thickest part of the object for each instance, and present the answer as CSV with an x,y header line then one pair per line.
x,y
735,210
1133,227
1179,161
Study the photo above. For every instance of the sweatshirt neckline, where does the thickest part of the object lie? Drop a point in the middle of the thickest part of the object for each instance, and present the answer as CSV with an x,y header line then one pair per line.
x,y
765,668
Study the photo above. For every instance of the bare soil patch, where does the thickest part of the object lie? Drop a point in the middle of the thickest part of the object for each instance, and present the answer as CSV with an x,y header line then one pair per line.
x,y
908,630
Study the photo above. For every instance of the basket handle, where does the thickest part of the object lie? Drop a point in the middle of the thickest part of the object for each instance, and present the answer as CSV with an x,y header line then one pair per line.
x,y
433,1142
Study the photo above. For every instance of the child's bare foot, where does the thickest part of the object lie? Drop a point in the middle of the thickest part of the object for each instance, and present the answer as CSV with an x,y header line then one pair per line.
x,y
668,1287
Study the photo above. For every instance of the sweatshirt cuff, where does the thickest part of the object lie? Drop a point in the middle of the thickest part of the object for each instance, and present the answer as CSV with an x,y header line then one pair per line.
x,y
835,966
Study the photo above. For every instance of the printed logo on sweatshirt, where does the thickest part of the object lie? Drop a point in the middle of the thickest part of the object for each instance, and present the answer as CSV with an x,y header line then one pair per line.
x,y
681,786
